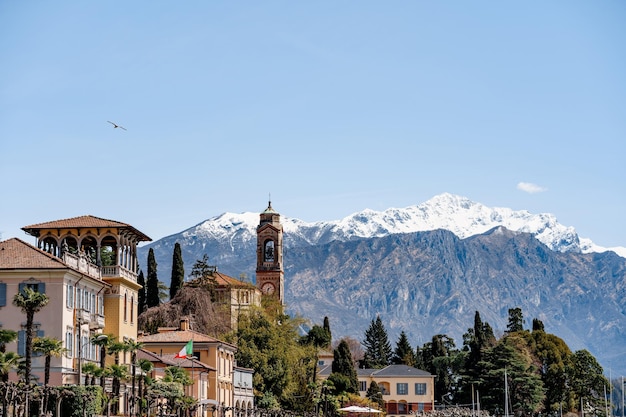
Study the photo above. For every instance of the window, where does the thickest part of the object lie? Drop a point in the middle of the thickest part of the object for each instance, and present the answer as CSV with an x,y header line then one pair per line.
x,y
132,309
92,306
362,385
125,307
69,337
101,305
21,341
39,287
420,388
70,296
3,294
402,388
401,408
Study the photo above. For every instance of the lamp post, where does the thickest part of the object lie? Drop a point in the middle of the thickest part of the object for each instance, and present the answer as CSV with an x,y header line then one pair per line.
x,y
103,349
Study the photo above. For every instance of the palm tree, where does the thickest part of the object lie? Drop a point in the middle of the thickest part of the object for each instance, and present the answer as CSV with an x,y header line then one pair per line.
x,y
119,373
8,362
49,347
6,336
133,347
90,369
146,367
103,341
30,302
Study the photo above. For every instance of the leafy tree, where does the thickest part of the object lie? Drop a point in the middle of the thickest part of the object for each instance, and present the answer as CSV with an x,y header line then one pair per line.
x,y
141,298
439,357
516,320
378,351
586,378
343,365
318,337
271,346
102,340
178,271
525,388
201,270
375,395
403,354
30,302
152,284
538,325
552,358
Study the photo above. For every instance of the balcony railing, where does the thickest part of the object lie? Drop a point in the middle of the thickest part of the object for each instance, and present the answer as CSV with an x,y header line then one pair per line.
x,y
82,264
114,271
83,316
97,322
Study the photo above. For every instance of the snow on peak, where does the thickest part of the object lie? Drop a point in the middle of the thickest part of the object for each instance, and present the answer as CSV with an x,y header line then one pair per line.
x,y
458,214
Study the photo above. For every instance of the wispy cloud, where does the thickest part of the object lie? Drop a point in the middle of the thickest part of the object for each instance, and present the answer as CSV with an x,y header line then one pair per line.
x,y
531,188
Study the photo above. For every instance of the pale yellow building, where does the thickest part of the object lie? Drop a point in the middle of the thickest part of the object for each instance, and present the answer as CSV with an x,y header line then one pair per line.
x,y
405,389
212,352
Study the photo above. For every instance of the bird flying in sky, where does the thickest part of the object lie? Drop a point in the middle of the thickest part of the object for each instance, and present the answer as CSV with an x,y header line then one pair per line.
x,y
115,126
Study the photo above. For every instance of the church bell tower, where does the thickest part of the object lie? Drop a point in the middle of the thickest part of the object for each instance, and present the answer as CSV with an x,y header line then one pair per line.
x,y
269,255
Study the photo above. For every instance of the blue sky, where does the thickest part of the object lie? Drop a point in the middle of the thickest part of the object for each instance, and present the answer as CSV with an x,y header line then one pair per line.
x,y
330,107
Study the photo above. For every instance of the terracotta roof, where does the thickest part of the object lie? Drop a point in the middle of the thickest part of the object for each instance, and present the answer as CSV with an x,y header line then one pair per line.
x,y
17,254
178,336
223,279
82,222
168,359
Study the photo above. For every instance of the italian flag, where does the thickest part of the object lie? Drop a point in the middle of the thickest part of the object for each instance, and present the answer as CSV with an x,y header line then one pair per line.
x,y
187,350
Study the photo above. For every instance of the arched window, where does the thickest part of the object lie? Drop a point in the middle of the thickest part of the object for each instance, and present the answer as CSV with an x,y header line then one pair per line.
x,y
125,307
268,251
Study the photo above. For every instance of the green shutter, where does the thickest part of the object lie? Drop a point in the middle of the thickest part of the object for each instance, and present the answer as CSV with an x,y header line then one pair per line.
x,y
21,342
3,294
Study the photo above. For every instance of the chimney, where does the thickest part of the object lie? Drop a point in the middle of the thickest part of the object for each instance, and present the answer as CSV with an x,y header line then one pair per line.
x,y
184,324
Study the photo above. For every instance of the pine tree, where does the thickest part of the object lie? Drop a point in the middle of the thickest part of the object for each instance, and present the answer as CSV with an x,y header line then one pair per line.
x,y
152,284
516,320
403,353
378,351
141,299
178,271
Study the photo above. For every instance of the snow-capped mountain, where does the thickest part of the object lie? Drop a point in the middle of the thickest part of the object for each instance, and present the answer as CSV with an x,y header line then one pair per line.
x,y
457,214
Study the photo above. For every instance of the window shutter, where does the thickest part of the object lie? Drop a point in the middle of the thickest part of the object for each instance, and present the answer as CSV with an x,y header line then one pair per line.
x,y
41,288
3,294
21,286
21,342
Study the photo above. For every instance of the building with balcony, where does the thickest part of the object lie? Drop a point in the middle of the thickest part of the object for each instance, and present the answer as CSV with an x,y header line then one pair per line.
x,y
88,268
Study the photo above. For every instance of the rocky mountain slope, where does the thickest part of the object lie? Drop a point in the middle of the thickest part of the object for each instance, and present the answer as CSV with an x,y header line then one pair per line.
x,y
426,269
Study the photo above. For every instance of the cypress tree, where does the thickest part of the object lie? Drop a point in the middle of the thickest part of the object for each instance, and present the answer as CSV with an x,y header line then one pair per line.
x,y
327,329
178,271
141,301
343,365
152,284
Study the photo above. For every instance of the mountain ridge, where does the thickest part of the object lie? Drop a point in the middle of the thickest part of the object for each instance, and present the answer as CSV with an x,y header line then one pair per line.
x,y
429,265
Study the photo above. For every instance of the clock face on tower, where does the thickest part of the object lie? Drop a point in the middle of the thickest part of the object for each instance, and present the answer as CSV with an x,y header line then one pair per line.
x,y
268,288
